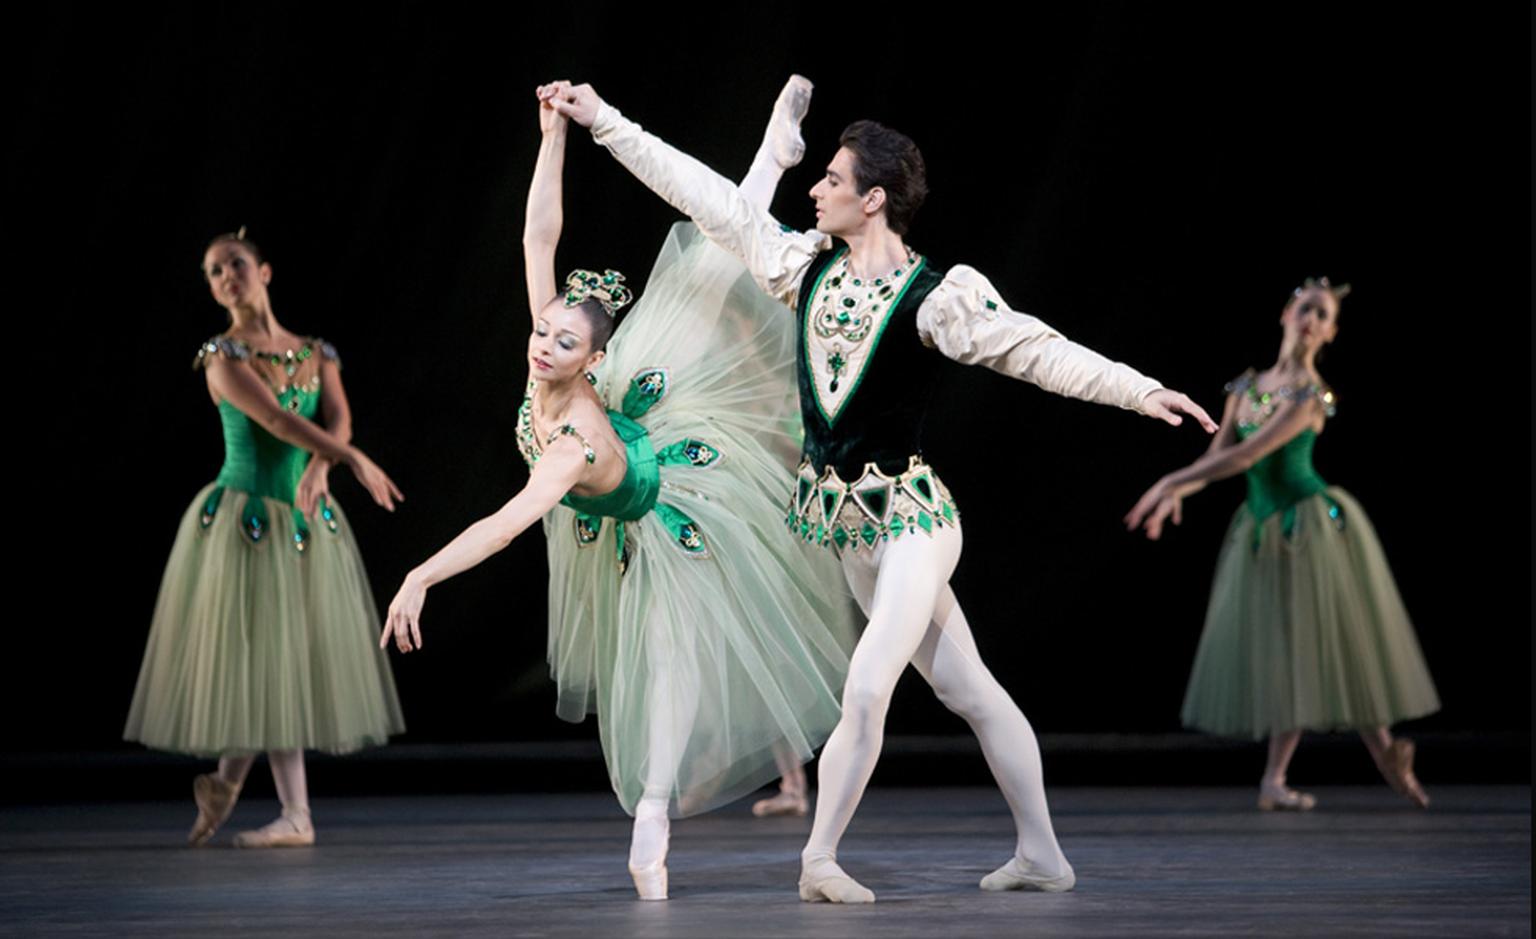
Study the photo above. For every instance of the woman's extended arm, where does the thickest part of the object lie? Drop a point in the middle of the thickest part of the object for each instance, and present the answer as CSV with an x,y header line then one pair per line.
x,y
545,216
558,469
1165,498
232,381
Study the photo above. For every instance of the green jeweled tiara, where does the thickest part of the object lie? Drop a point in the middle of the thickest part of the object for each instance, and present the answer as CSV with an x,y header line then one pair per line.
x,y
606,288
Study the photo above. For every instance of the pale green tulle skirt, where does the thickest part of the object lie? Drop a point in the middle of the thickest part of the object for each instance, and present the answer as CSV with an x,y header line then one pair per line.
x,y
700,668
258,646
1306,632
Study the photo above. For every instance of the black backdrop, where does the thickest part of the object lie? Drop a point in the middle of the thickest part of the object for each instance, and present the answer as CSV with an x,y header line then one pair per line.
x,y
1151,181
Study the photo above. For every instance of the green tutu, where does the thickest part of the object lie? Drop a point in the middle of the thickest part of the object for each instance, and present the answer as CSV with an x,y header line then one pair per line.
x,y
1305,629
704,637
259,646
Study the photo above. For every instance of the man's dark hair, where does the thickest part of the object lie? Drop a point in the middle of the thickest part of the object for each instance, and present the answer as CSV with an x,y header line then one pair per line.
x,y
888,159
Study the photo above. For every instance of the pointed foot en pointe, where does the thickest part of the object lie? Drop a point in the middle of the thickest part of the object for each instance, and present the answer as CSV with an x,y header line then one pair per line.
x,y
784,140
650,880
215,799
1400,775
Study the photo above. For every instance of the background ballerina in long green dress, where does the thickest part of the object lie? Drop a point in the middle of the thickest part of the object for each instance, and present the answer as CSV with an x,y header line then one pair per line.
x,y
1305,628
262,636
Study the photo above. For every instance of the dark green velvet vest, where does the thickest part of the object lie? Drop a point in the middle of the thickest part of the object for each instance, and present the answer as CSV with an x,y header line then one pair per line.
x,y
882,423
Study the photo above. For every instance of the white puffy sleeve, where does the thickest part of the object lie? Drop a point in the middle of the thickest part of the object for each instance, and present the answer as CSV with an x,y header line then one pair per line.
x,y
966,319
777,256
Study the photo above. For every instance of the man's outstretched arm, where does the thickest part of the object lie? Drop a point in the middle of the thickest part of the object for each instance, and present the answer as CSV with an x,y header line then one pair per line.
x,y
776,257
966,319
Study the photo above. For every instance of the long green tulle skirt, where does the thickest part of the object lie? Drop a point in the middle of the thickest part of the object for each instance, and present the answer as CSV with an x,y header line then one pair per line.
x,y
258,646
702,667
1306,631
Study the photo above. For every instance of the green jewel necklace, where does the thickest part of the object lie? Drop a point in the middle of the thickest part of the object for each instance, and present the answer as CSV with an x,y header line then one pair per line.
x,y
289,361
847,307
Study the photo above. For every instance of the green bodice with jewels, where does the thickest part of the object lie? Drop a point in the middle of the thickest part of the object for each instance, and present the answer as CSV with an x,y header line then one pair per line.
x,y
256,462
1286,476
638,493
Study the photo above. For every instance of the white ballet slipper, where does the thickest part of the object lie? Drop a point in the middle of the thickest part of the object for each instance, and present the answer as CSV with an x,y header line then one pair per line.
x,y
1019,874
822,880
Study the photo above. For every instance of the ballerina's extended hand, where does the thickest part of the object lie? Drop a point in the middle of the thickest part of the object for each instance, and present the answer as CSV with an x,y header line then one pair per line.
x,y
1163,502
404,619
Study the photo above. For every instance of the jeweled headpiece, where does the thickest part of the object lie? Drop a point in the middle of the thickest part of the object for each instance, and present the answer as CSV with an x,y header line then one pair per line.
x,y
606,288
1321,283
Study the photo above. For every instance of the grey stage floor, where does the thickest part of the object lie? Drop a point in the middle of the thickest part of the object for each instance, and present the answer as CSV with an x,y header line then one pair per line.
x,y
1167,862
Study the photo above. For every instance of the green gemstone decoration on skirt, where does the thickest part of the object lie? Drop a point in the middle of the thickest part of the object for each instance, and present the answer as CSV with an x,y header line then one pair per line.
x,y
254,519
211,506
588,527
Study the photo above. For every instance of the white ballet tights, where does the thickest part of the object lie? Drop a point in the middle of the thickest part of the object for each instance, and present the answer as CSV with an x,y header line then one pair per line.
x,y
903,587
782,145
673,694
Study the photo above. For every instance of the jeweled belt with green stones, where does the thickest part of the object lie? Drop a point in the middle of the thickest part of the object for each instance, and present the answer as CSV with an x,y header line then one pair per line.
x,y
853,516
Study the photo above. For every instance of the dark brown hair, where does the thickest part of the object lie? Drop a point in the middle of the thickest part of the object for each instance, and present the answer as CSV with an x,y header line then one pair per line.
x,y
888,159
601,323
238,237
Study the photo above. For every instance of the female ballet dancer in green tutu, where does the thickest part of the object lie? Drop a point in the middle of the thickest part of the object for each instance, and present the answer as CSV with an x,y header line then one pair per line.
x,y
262,637
1305,628
681,612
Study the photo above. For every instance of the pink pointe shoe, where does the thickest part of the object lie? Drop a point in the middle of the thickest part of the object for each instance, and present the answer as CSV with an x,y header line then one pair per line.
x,y
288,830
1282,799
783,139
215,799
650,880
783,803
1399,773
